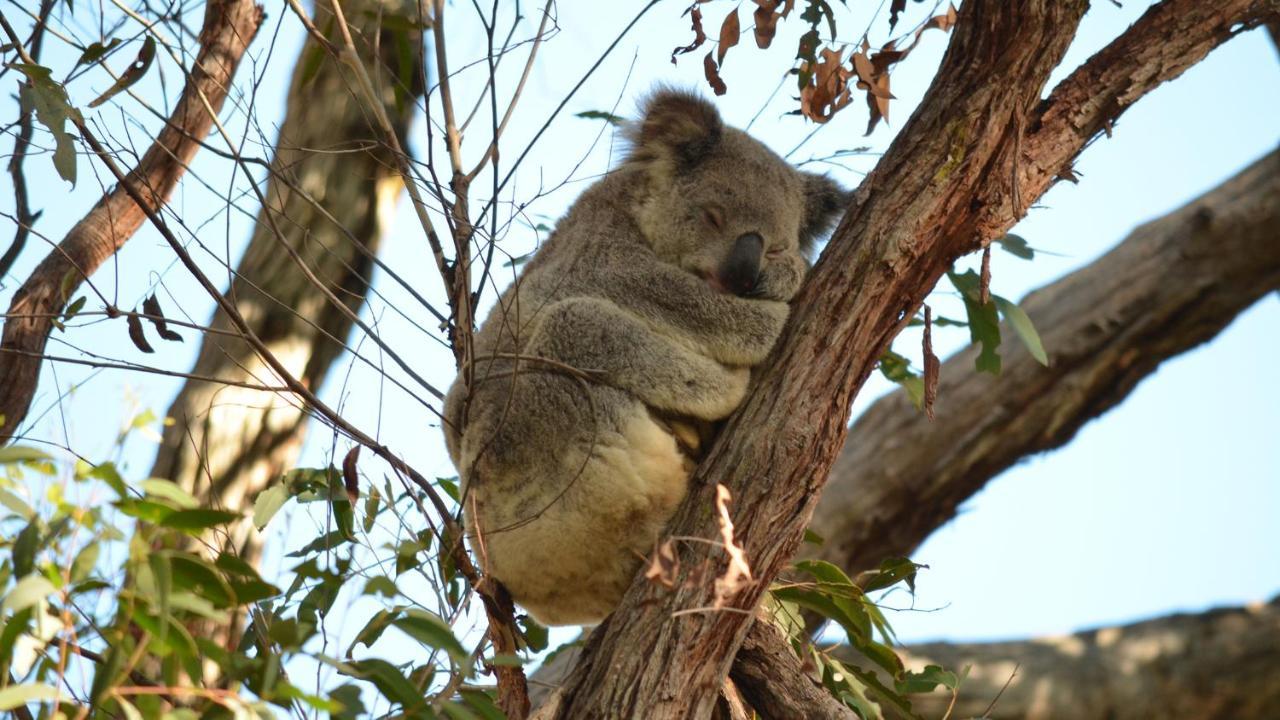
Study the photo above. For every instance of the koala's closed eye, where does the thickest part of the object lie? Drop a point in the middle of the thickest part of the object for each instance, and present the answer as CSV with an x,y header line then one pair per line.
x,y
714,216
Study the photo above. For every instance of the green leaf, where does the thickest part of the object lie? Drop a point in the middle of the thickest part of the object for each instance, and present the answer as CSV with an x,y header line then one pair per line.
x,y
27,592
984,324
1021,325
915,683
813,538
198,519
194,573
483,704
1016,245
53,108
381,585
21,453
268,503
108,473
85,561
897,368
169,490
891,571
16,504
25,546
432,631
535,635
95,52
16,695
74,308
601,115
389,680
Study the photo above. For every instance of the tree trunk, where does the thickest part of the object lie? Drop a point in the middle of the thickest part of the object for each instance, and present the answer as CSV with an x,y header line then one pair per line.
x,y
1224,663
331,191
979,150
1173,284
901,475
228,29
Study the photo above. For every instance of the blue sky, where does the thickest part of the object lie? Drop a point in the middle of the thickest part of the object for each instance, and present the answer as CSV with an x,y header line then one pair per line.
x,y
1169,502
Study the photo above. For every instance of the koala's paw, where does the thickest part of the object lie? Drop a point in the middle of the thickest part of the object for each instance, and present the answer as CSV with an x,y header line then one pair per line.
x,y
755,336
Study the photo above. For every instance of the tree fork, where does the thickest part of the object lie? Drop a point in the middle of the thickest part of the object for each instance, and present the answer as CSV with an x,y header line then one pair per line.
x,y
959,173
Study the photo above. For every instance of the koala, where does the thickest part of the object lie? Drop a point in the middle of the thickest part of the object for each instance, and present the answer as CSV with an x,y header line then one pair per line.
x,y
626,337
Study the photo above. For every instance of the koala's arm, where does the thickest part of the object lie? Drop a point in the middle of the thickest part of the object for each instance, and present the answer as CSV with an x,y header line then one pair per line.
x,y
726,328
593,334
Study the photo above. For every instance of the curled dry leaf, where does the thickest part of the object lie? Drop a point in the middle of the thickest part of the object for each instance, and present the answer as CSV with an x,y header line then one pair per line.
x,y
931,364
151,306
136,335
713,75
895,9
699,35
984,280
730,33
766,19
350,478
738,573
828,90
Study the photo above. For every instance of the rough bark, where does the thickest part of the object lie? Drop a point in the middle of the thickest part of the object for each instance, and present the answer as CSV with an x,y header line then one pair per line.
x,y
229,27
332,186
1224,663
1173,284
899,476
964,168
774,682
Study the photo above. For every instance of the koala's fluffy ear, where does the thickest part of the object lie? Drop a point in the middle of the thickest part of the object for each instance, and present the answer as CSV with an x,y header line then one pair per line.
x,y
677,126
825,201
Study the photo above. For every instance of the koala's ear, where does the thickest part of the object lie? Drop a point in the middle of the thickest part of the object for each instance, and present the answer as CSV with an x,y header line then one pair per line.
x,y
824,202
677,125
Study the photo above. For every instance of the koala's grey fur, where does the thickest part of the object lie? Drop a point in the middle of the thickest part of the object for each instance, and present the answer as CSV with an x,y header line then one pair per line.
x,y
569,477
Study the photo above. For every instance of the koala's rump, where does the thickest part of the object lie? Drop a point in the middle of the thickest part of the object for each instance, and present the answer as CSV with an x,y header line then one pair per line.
x,y
564,528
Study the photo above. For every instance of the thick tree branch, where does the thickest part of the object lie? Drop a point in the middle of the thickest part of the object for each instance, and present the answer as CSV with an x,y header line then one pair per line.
x,y
229,27
945,186
1173,284
1223,663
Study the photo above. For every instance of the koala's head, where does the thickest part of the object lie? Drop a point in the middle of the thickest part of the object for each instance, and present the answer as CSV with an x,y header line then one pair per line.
x,y
722,205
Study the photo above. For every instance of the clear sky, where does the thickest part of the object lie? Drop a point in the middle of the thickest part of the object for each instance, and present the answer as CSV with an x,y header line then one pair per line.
x,y
1167,503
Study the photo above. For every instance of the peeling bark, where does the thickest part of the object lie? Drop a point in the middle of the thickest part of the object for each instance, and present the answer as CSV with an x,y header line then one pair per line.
x,y
960,173
228,29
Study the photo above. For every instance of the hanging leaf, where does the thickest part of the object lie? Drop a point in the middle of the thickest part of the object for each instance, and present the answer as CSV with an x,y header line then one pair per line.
x,y
1021,324
151,306
133,74
136,335
52,108
984,323
593,115
713,75
766,18
96,51
730,33
699,35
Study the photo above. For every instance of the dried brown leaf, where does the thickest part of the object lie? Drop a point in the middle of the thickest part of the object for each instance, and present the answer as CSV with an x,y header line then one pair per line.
x,y
895,8
984,281
699,35
787,8
766,19
931,365
350,478
713,75
151,306
136,334
730,33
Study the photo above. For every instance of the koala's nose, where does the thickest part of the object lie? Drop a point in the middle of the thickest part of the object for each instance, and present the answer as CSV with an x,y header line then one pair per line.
x,y
740,271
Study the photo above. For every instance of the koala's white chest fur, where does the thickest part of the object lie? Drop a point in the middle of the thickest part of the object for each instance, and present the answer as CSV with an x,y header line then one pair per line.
x,y
570,562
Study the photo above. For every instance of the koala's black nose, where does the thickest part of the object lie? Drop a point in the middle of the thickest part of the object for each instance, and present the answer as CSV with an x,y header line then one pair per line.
x,y
740,271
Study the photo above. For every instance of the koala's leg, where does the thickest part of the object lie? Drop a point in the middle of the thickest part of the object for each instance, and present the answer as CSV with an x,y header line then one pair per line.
x,y
595,334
